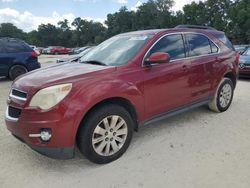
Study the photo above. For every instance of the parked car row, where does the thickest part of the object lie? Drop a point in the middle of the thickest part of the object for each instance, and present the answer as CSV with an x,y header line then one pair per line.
x,y
55,50
76,57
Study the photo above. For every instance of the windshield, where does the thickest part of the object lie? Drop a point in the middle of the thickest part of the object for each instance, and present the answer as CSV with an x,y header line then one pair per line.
x,y
85,51
117,50
247,52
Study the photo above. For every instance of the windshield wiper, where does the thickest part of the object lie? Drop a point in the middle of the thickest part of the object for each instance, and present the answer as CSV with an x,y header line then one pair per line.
x,y
94,62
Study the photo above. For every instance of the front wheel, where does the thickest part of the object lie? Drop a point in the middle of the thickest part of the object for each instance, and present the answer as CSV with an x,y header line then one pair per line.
x,y
105,134
223,96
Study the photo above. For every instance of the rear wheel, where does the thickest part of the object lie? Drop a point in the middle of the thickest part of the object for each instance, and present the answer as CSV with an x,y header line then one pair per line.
x,y
16,71
105,134
223,97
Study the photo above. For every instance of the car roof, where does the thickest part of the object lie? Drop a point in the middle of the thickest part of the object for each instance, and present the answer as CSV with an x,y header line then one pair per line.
x,y
158,31
11,39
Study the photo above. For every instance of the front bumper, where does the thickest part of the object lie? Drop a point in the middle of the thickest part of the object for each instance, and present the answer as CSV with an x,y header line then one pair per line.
x,y
244,72
55,153
61,120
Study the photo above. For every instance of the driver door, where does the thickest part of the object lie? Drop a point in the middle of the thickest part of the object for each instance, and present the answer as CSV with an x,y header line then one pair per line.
x,y
166,85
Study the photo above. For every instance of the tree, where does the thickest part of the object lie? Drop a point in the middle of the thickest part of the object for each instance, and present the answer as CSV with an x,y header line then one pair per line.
x,y
64,25
195,14
48,34
9,30
239,14
65,34
119,22
146,16
87,32
230,16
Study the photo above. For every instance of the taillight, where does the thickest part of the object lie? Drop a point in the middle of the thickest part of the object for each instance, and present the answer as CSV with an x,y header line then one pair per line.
x,y
237,58
34,54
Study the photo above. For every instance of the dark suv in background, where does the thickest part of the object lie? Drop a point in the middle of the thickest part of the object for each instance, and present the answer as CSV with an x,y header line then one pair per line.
x,y
16,58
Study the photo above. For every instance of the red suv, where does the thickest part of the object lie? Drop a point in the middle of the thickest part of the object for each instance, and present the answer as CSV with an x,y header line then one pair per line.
x,y
127,81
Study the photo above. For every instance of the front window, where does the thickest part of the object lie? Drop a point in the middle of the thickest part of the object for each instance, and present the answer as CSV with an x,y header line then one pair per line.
x,y
118,50
171,44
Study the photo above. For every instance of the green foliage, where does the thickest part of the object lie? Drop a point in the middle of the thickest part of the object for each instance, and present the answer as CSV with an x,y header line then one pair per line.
x,y
230,16
9,30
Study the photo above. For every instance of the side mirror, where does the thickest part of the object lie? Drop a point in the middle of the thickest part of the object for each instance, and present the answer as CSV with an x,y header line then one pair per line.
x,y
157,57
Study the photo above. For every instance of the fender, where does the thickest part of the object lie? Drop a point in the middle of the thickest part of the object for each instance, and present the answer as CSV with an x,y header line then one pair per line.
x,y
107,89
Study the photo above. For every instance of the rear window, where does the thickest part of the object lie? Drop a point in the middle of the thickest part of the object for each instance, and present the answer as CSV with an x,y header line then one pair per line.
x,y
16,46
223,38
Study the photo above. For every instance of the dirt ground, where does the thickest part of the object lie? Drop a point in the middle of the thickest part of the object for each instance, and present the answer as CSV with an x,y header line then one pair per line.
x,y
197,149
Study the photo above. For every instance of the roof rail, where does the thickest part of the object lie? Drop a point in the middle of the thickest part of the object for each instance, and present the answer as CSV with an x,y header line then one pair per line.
x,y
195,27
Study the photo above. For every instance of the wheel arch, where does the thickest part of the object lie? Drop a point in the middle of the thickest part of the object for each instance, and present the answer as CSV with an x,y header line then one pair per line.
x,y
20,64
118,101
232,77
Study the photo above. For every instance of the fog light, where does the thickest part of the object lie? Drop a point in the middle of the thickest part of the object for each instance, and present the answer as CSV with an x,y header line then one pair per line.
x,y
45,134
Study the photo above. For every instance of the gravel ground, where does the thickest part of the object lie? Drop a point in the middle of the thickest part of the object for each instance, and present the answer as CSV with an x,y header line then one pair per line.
x,y
197,149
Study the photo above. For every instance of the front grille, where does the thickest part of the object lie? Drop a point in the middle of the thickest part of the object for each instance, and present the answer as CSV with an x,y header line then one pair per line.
x,y
14,112
19,93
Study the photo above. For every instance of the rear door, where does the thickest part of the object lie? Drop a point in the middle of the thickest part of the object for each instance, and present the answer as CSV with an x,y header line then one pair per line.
x,y
202,55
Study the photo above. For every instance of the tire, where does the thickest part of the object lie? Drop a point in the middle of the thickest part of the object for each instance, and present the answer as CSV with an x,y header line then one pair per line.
x,y
16,71
103,145
223,96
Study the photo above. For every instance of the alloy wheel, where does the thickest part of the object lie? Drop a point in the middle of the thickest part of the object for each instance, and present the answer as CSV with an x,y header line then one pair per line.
x,y
225,95
109,135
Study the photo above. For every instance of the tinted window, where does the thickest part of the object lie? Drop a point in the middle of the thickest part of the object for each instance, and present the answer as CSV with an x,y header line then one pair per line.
x,y
2,47
15,46
225,40
171,44
247,52
214,48
198,45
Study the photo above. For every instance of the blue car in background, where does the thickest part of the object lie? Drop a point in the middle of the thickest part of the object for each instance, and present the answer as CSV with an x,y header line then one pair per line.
x,y
16,58
244,66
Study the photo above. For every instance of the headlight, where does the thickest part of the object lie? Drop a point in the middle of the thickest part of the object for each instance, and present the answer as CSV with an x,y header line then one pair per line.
x,y
48,97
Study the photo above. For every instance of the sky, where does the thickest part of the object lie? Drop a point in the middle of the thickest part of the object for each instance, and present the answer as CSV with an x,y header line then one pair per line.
x,y
28,14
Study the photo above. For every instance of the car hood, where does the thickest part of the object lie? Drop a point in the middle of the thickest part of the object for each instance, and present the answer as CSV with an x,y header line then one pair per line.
x,y
245,59
62,73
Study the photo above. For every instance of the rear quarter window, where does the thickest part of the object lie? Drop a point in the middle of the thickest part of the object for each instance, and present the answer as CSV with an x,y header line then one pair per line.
x,y
223,38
